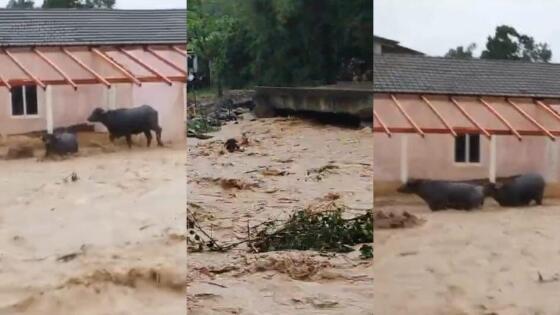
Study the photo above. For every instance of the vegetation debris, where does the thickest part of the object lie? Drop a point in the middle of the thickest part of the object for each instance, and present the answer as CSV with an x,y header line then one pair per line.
x,y
197,127
322,231
325,231
319,173
366,252
396,221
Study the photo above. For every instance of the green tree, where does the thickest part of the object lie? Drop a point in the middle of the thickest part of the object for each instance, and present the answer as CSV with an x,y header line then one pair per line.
x,y
208,35
282,42
102,4
81,4
507,43
20,4
461,52
290,46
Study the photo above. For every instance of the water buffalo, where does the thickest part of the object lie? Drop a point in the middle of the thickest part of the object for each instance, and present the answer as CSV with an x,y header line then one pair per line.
x,y
126,122
440,195
60,144
518,190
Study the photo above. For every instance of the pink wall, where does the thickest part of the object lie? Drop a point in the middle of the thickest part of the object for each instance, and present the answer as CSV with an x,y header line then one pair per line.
x,y
73,107
433,157
169,101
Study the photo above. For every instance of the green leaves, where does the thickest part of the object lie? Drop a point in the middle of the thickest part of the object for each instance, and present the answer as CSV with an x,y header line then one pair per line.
x,y
366,252
280,42
20,4
208,35
461,53
324,231
199,126
507,43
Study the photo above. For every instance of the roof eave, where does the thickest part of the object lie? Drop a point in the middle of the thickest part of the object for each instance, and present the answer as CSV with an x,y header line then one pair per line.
x,y
471,94
108,43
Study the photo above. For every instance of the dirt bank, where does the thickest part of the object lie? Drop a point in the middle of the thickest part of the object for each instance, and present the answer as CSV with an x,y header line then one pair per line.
x,y
288,164
480,262
109,243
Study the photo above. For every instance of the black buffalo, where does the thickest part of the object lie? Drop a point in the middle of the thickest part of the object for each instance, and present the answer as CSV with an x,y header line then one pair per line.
x,y
60,144
126,122
440,195
518,190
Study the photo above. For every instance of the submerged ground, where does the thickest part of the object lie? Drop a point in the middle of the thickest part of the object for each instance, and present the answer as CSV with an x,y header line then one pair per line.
x,y
276,175
480,262
111,242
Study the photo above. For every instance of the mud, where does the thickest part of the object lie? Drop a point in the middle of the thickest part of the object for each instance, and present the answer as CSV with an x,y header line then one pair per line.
x,y
490,261
278,156
396,220
110,242
91,143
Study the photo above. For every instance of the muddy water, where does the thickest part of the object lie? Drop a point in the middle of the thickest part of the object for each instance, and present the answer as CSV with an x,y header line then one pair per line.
x,y
109,243
276,175
480,262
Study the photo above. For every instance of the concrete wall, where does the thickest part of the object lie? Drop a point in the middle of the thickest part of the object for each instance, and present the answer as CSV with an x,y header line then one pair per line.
x,y
73,107
433,157
327,100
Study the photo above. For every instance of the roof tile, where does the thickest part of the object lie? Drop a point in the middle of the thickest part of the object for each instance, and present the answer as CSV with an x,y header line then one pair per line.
x,y
421,74
91,27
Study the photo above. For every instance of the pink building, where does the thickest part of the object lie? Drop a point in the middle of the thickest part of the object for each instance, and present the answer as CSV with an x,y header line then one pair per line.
x,y
458,119
58,65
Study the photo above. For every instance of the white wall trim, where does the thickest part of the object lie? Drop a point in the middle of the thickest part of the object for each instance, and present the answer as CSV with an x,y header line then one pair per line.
x,y
49,109
467,153
404,158
25,115
492,166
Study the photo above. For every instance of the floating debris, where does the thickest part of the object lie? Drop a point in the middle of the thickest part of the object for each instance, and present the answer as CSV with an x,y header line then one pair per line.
x,y
322,231
231,145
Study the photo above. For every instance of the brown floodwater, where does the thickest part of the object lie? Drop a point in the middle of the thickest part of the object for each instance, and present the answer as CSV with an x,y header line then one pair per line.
x,y
274,176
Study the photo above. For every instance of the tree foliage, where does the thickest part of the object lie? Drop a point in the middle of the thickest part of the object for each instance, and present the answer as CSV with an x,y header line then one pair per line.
x,y
208,36
80,4
283,42
507,43
20,4
461,52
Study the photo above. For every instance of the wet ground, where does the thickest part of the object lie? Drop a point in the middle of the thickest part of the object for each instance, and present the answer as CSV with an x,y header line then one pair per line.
x,y
110,242
275,175
491,261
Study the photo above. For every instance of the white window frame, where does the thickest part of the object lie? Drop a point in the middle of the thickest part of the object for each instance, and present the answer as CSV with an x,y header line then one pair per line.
x,y
24,97
467,163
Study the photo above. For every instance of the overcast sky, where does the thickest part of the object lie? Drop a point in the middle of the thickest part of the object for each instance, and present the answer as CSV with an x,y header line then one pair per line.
x,y
435,26
133,4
